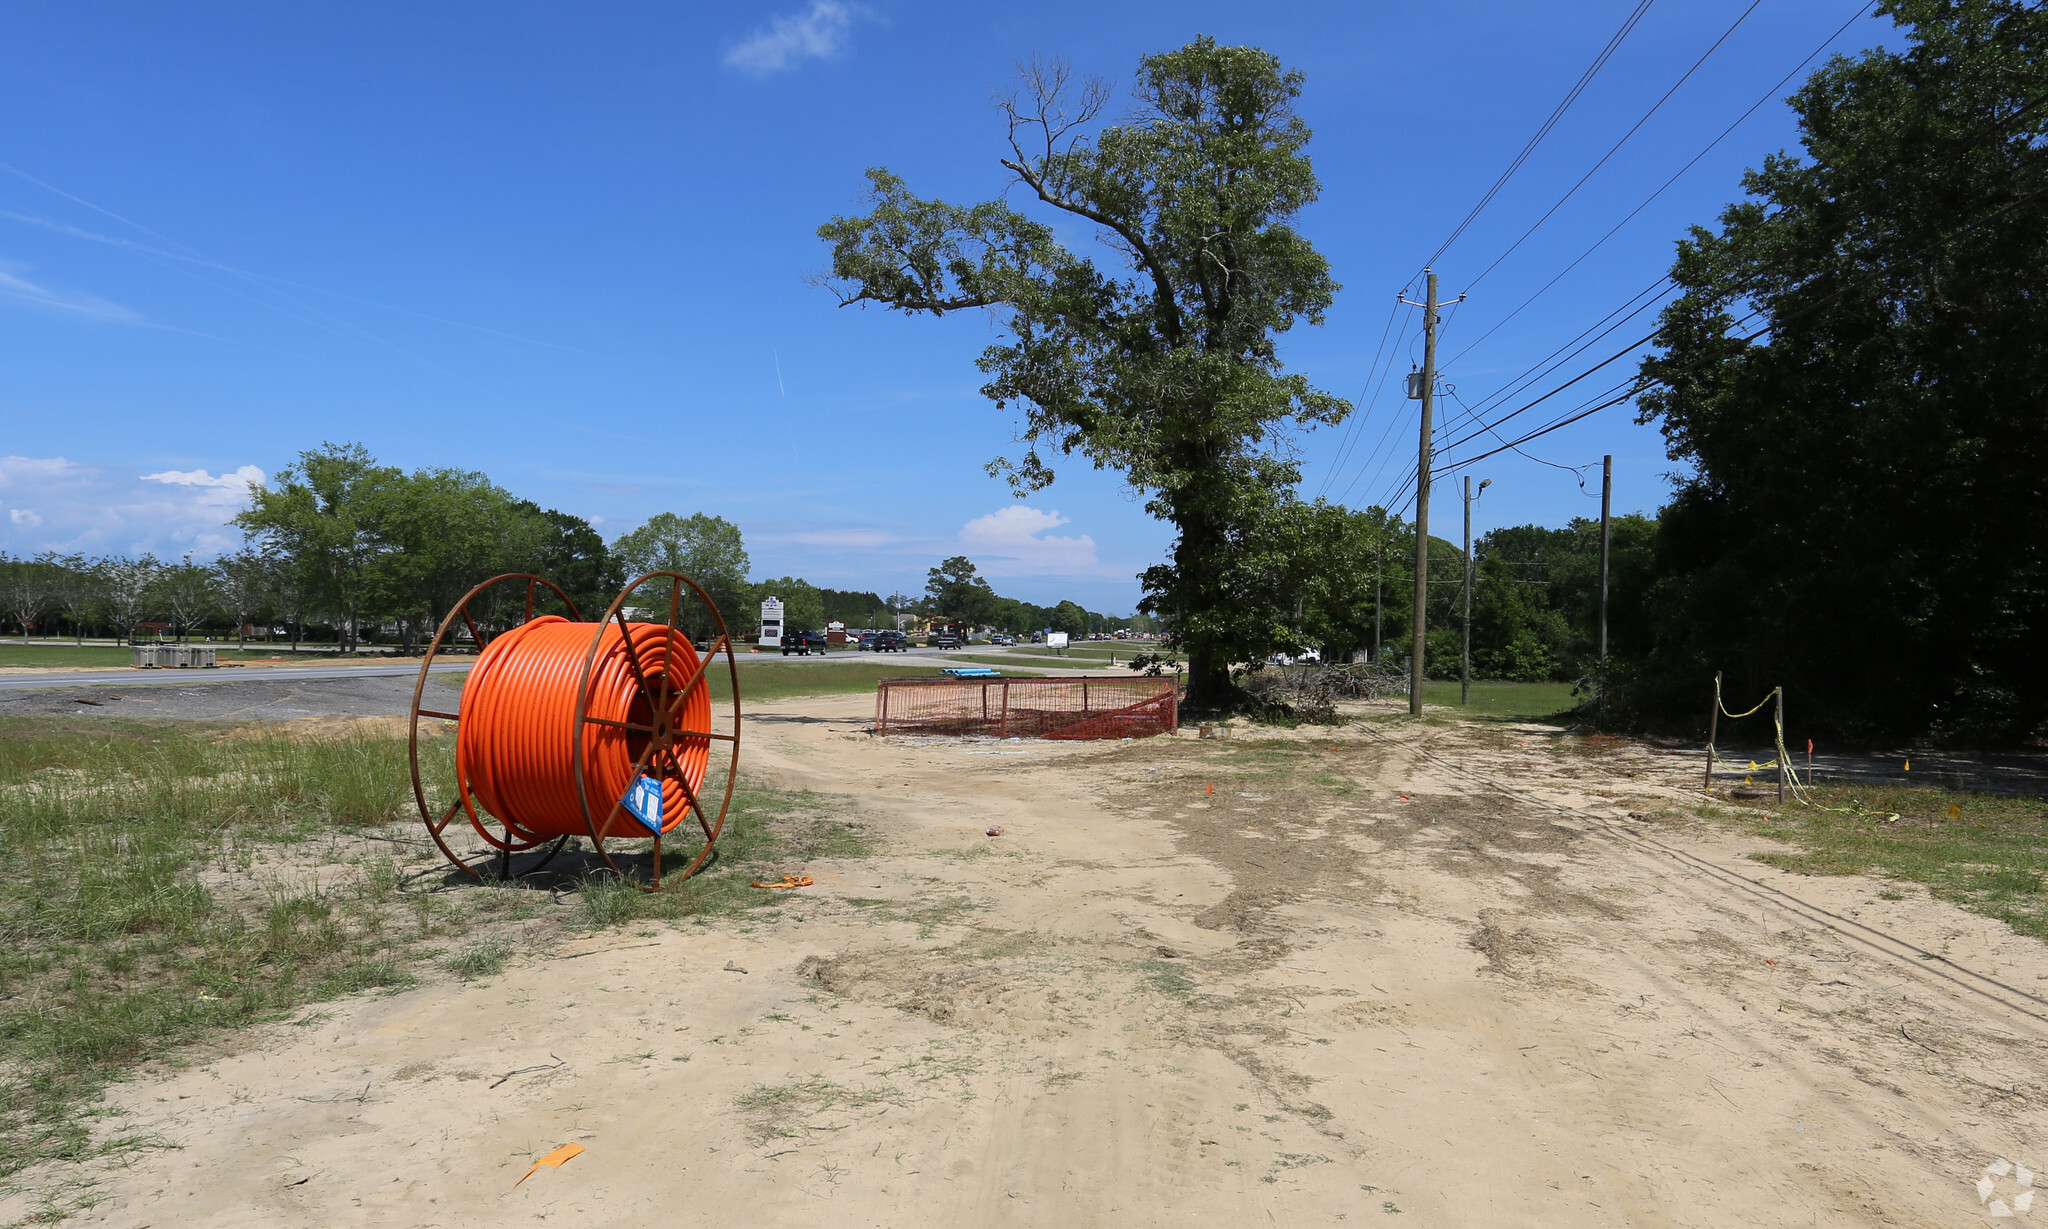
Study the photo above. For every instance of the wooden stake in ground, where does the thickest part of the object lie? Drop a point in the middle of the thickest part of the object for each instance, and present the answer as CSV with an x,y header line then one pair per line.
x,y
1713,726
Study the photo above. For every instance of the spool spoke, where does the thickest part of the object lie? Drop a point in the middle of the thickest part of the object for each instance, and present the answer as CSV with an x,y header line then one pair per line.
x,y
698,673
621,725
724,738
675,597
447,815
689,794
428,712
633,655
476,636
529,601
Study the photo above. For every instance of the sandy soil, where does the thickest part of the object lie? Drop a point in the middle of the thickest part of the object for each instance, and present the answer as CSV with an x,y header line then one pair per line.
x,y
1306,977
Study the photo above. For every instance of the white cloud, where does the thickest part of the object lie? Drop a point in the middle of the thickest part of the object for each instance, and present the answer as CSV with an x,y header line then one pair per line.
x,y
58,504
786,41
229,492
1017,541
19,289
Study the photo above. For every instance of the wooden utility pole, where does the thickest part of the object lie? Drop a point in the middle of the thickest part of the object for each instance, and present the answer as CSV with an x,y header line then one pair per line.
x,y
1465,653
1606,504
1465,657
1424,390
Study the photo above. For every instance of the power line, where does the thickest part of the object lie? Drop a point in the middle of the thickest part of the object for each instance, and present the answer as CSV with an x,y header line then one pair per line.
x,y
1635,128
1556,114
1344,446
1635,383
1631,307
1768,96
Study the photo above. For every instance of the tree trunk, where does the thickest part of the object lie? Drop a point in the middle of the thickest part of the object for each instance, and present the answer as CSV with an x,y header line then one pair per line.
x,y
1198,559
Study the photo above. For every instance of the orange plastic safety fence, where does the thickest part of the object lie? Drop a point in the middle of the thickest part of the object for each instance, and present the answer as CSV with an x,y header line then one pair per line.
x,y
1047,707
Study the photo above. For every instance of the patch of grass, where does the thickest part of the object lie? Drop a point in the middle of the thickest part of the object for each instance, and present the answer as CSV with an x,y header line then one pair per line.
x,y
1169,978
1504,701
485,959
119,942
773,1108
140,916
762,682
997,657
766,832
1990,858
59,656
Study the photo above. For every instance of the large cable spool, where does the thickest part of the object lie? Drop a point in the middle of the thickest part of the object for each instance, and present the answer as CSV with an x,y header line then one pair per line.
x,y
560,719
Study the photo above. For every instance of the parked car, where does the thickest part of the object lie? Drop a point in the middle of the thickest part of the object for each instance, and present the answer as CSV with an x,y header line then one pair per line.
x,y
803,644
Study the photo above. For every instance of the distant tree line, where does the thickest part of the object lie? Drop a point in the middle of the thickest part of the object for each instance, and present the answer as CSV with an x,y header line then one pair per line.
x,y
340,548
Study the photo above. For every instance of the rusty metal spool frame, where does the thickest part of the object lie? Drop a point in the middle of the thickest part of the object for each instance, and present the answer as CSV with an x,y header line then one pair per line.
x,y
662,696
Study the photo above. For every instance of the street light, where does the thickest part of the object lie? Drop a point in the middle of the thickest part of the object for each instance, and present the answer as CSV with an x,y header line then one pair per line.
x,y
1465,665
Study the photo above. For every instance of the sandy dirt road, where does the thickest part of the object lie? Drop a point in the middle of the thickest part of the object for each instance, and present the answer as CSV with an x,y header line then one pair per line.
x,y
1304,977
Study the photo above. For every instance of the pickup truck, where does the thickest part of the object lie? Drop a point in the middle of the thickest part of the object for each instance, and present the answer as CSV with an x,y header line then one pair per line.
x,y
943,640
885,642
803,644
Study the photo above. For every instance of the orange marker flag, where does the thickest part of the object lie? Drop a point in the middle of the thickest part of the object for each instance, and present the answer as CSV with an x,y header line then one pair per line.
x,y
554,1160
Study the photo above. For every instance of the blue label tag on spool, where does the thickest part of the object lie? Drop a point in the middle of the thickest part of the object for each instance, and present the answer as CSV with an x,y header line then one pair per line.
x,y
643,800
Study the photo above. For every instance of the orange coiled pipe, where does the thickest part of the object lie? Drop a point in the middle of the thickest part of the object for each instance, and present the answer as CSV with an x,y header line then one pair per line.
x,y
515,753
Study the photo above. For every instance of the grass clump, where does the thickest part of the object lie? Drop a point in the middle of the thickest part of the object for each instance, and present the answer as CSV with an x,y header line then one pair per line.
x,y
485,959
174,882
136,921
1989,856
1501,701
767,832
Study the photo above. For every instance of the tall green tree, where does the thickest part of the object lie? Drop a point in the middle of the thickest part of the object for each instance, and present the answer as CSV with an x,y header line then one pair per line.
x,y
803,607
1167,370
323,514
1068,617
569,551
81,590
708,549
1865,520
184,590
29,588
953,591
245,581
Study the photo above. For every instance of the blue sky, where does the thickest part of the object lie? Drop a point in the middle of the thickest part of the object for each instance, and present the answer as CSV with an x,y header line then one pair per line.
x,y
565,245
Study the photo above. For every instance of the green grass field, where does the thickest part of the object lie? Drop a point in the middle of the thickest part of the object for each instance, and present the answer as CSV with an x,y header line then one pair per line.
x,y
1002,657
1985,852
53,656
117,952
1504,701
763,683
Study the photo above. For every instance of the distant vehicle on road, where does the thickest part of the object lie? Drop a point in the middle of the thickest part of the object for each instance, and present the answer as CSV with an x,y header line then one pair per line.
x,y
866,643
999,638
803,644
886,642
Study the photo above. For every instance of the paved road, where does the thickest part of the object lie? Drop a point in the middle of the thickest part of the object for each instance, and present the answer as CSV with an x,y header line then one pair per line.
x,y
187,678
405,669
